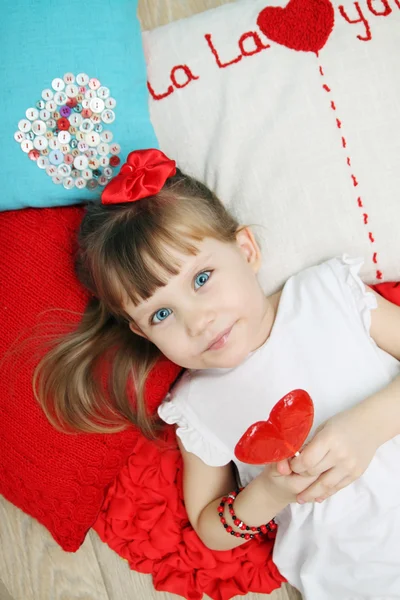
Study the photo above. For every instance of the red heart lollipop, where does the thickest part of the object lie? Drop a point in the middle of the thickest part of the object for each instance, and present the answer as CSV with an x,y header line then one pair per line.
x,y
282,435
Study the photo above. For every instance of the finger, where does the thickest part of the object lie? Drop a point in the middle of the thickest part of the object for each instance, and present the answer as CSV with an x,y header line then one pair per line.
x,y
327,463
311,456
342,484
324,486
283,467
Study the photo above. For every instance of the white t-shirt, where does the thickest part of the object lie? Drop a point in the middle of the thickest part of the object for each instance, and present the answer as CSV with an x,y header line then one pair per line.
x,y
348,547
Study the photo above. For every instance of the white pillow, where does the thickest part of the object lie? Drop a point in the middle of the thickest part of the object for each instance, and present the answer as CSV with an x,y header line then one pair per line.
x,y
303,140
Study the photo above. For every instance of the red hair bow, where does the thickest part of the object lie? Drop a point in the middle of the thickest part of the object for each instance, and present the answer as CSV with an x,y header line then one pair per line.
x,y
143,174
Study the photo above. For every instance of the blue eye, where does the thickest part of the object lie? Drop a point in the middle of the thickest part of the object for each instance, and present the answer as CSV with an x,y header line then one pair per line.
x,y
201,279
161,315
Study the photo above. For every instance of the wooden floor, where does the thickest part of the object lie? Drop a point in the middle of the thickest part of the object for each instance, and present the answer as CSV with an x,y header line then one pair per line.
x,y
32,565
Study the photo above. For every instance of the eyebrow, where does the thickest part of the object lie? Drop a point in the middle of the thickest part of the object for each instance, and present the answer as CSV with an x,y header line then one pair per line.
x,y
148,307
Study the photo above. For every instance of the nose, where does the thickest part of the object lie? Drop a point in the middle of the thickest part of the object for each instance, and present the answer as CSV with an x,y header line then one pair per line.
x,y
198,321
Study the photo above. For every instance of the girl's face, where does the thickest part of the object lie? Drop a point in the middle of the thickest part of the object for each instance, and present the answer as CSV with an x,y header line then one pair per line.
x,y
214,312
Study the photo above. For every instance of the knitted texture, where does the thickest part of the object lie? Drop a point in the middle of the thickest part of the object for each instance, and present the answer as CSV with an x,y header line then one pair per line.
x,y
57,478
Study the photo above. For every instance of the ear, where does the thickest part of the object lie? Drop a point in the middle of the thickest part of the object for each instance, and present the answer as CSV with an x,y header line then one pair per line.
x,y
249,247
136,330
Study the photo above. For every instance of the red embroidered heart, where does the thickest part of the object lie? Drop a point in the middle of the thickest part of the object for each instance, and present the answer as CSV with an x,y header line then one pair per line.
x,y
303,25
282,435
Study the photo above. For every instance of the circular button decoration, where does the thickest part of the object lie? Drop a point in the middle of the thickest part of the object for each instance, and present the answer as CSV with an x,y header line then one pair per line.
x,y
66,132
92,139
96,105
82,79
32,114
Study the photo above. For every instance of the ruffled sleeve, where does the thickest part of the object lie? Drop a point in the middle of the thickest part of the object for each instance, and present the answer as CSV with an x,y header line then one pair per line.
x,y
347,271
175,411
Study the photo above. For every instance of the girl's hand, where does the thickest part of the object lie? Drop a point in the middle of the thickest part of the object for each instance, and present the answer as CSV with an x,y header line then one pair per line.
x,y
284,485
340,452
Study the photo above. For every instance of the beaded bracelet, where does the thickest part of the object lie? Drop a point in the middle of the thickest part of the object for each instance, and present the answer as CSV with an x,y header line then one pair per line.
x,y
230,499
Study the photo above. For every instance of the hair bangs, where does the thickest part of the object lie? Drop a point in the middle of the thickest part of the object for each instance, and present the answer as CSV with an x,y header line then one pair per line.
x,y
136,266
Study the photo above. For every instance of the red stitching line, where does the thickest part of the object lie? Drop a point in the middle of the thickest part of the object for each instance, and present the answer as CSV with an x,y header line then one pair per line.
x,y
365,215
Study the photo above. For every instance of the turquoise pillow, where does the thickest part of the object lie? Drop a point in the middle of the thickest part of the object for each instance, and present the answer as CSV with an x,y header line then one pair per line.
x,y
74,100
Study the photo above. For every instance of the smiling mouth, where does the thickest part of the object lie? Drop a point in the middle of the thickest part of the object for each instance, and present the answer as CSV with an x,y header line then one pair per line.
x,y
221,340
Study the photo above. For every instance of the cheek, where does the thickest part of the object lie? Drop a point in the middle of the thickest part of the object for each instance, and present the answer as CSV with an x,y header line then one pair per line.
x,y
170,341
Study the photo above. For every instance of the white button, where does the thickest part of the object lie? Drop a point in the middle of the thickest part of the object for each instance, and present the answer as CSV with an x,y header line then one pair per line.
x,y
64,137
64,170
86,125
92,139
51,124
95,118
40,142
104,161
45,114
80,183
75,119
81,162
93,163
94,83
47,94
54,143
51,106
85,103
115,149
97,105
39,127
51,170
108,116
103,92
60,98
57,179
82,79
58,84
72,90
90,94
87,174
80,136
91,153
103,148
68,183
103,180
19,136
69,78
56,157
82,146
32,114
42,162
26,146
65,148
24,125
108,172
111,103
106,136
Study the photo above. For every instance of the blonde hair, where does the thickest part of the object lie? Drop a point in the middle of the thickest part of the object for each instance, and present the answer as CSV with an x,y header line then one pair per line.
x,y
124,253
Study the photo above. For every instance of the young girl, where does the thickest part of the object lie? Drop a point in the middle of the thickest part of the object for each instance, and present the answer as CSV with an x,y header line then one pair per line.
x,y
173,274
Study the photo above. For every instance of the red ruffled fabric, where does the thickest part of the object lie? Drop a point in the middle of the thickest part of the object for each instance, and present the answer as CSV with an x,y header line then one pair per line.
x,y
144,520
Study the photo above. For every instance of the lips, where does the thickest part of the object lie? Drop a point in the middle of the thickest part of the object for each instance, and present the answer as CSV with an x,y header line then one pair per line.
x,y
220,340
